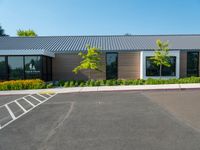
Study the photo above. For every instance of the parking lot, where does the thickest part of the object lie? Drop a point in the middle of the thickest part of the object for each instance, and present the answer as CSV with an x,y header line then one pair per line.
x,y
151,120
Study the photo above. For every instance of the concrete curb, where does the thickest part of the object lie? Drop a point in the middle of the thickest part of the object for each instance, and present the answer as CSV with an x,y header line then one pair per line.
x,y
107,88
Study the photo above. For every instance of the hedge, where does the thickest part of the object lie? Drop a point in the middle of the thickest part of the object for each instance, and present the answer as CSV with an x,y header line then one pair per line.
x,y
39,84
150,81
22,84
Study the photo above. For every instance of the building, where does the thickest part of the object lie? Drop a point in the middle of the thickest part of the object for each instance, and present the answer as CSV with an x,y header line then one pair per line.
x,y
124,57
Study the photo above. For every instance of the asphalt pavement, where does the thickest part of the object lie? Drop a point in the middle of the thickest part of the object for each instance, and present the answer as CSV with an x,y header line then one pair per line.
x,y
99,121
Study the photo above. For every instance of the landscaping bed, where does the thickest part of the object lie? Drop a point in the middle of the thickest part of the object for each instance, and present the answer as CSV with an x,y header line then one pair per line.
x,y
39,84
150,81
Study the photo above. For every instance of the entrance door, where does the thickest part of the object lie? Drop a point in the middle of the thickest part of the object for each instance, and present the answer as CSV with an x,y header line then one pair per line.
x,y
193,64
111,65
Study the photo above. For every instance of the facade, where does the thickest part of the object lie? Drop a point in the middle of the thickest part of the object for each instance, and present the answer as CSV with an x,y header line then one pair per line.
x,y
123,57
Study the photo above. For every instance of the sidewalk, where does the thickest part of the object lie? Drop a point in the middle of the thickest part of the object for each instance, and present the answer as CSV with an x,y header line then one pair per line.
x,y
106,88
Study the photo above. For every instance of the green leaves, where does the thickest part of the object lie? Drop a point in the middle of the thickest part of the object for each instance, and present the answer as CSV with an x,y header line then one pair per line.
x,y
26,33
90,60
161,55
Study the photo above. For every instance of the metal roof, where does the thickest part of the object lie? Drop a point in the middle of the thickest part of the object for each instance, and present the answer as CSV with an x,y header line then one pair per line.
x,y
62,44
15,52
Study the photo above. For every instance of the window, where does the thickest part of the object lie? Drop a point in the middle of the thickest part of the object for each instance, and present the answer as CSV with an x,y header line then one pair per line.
x,y
153,70
111,65
3,68
32,67
192,64
16,67
44,67
25,67
49,68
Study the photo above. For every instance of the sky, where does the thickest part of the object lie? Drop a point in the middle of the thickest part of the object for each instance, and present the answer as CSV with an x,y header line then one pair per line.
x,y
101,17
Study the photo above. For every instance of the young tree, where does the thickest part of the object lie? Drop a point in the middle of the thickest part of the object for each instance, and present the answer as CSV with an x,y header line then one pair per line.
x,y
161,55
28,33
91,61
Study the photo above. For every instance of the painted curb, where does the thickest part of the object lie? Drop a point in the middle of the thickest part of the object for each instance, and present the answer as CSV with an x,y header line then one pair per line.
x,y
106,88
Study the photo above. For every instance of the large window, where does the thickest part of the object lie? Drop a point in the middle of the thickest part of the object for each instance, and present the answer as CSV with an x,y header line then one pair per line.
x,y
3,68
16,67
192,64
153,70
33,67
111,66
25,67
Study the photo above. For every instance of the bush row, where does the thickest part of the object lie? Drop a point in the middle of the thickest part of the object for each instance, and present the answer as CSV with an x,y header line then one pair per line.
x,y
22,84
150,81
39,84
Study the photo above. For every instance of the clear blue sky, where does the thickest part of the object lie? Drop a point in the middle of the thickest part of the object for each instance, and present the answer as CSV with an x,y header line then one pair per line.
x,y
101,17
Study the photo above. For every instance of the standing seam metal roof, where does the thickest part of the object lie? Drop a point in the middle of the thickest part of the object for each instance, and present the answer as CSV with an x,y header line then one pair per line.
x,y
62,44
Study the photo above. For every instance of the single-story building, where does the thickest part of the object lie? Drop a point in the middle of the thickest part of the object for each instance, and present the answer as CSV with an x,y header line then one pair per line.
x,y
123,57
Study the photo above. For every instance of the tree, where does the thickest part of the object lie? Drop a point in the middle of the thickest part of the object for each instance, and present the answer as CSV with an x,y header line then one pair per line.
x,y
161,55
90,61
127,34
28,33
2,32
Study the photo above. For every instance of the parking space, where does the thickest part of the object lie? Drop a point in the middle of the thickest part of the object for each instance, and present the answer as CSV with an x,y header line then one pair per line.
x,y
8,98
16,108
100,121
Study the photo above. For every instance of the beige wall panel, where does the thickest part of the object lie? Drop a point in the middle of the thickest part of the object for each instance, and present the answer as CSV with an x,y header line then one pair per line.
x,y
183,64
129,65
63,64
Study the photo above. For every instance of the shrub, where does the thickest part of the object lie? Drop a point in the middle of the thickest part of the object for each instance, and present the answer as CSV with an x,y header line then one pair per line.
x,y
102,82
76,83
49,85
71,84
97,83
22,84
92,83
66,84
61,83
109,82
87,83
82,84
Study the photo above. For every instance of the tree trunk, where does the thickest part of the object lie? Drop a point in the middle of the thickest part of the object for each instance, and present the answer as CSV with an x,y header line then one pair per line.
x,y
160,71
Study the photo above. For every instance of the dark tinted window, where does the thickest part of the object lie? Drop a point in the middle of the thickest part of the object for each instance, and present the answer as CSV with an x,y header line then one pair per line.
x,y
192,64
170,71
3,68
49,68
44,63
32,67
111,65
153,70
16,67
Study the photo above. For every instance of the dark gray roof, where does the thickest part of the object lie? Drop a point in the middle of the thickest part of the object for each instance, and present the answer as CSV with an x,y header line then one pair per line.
x,y
59,44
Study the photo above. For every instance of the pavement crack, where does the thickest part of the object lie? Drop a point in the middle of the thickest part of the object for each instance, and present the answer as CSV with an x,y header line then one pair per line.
x,y
60,123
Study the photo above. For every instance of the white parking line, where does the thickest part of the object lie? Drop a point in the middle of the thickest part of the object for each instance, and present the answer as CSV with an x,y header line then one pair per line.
x,y
10,112
20,106
41,95
35,98
29,102
48,94
25,111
